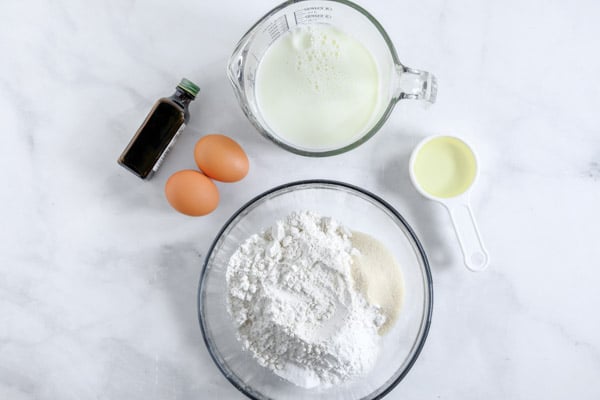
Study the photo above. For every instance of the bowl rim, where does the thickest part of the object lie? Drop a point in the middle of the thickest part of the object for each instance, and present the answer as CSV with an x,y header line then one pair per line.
x,y
428,287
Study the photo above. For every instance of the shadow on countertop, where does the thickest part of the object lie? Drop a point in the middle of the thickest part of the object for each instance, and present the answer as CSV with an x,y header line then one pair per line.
x,y
426,216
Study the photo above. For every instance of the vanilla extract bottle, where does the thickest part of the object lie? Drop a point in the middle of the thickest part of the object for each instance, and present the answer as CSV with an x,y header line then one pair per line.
x,y
159,131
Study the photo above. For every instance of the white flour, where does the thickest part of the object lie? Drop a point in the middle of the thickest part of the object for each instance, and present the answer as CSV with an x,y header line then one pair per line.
x,y
293,299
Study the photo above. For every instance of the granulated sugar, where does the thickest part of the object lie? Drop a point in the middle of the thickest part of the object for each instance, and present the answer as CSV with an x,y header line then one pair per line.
x,y
377,276
295,305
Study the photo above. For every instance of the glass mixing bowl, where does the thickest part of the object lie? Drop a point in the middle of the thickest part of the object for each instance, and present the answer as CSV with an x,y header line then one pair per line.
x,y
359,210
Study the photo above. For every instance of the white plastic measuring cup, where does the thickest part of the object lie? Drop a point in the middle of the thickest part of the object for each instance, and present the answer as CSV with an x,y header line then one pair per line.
x,y
444,168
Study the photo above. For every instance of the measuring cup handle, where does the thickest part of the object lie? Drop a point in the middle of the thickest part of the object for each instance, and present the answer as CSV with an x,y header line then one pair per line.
x,y
415,84
475,255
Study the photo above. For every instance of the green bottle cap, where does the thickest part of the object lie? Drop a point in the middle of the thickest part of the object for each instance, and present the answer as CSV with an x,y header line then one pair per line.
x,y
189,87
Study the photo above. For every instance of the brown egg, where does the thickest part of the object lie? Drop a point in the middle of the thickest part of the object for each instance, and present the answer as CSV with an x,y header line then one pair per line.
x,y
192,193
221,158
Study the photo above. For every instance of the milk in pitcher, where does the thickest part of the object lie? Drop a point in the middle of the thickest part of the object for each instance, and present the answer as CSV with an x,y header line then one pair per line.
x,y
318,88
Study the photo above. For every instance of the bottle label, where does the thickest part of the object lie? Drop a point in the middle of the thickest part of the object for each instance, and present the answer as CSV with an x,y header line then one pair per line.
x,y
171,143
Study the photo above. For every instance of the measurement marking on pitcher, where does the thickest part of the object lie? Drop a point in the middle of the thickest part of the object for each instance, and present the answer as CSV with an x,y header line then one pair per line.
x,y
313,14
277,27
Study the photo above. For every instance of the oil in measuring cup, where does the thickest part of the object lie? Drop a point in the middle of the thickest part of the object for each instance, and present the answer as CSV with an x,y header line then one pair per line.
x,y
444,169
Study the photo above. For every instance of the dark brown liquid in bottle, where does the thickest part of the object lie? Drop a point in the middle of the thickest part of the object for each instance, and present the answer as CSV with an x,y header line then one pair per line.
x,y
145,151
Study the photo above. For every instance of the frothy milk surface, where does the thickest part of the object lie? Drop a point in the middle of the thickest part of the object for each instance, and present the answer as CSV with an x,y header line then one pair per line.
x,y
318,88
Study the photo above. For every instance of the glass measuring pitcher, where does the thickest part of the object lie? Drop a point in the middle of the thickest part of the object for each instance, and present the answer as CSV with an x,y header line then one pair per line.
x,y
395,81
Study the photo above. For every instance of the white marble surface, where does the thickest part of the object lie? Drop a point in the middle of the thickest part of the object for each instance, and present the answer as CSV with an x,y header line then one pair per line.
x,y
98,275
